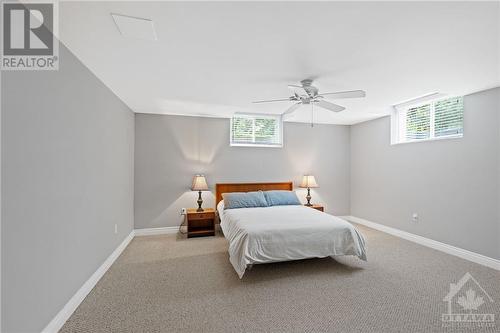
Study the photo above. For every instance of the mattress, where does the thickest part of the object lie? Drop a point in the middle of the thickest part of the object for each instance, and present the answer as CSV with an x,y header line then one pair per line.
x,y
283,233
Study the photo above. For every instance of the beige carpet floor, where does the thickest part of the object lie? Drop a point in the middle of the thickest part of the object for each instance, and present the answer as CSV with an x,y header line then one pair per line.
x,y
172,284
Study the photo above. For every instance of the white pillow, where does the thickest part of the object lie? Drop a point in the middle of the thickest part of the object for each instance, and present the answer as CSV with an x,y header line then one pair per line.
x,y
220,208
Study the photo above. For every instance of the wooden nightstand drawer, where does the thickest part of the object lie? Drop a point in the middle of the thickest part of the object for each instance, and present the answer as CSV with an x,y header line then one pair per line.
x,y
201,216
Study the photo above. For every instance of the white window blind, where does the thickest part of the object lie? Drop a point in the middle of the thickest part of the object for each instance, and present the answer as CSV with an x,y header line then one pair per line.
x,y
449,117
431,120
418,122
256,130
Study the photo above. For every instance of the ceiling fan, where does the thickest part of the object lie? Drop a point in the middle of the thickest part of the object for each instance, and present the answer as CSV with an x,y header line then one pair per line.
x,y
306,93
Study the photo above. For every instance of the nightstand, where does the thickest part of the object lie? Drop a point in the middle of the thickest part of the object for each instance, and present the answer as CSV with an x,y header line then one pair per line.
x,y
200,223
318,207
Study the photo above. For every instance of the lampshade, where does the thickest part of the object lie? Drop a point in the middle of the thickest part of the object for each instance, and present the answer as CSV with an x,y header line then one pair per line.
x,y
199,183
308,181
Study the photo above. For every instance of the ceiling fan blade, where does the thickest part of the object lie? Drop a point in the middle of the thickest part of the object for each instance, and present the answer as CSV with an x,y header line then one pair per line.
x,y
272,100
330,106
291,109
346,94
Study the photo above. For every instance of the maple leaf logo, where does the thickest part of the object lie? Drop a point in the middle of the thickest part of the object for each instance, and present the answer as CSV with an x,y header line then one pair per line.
x,y
470,301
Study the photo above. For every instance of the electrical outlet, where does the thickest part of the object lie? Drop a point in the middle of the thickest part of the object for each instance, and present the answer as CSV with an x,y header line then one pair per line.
x,y
116,228
414,218
183,211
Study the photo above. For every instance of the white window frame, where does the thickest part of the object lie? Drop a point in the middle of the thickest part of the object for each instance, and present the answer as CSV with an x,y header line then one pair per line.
x,y
398,122
253,116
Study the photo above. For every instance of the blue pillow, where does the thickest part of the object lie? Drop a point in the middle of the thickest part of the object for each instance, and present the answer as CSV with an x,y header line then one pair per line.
x,y
244,200
281,198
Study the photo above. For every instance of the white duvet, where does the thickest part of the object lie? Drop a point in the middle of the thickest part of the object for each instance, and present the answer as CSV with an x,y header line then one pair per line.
x,y
282,233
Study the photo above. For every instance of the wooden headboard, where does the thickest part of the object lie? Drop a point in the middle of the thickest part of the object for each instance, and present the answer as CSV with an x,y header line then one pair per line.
x,y
248,187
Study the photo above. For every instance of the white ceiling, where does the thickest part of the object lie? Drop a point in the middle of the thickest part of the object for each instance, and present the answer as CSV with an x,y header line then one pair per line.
x,y
213,59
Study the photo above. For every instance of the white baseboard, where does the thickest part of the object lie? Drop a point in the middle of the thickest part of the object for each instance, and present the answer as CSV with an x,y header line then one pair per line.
x,y
58,321
453,250
156,231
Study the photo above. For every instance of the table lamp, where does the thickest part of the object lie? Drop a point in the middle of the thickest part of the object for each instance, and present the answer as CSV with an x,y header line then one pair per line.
x,y
199,184
308,182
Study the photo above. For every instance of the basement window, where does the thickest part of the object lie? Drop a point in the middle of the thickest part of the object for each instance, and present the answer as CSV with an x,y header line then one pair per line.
x,y
256,130
440,119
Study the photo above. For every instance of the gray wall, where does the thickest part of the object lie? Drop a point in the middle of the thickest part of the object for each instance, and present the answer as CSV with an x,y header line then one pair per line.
x,y
169,150
67,179
452,184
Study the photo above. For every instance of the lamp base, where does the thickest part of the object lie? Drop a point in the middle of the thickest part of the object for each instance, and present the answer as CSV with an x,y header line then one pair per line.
x,y
308,197
199,201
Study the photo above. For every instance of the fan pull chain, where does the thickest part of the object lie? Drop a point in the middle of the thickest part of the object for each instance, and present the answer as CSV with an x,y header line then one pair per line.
x,y
312,114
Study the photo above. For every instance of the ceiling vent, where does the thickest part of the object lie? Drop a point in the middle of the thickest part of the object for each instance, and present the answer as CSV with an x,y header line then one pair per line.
x,y
135,27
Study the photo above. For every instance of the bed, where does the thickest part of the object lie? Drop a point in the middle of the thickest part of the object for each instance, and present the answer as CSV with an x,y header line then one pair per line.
x,y
282,233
